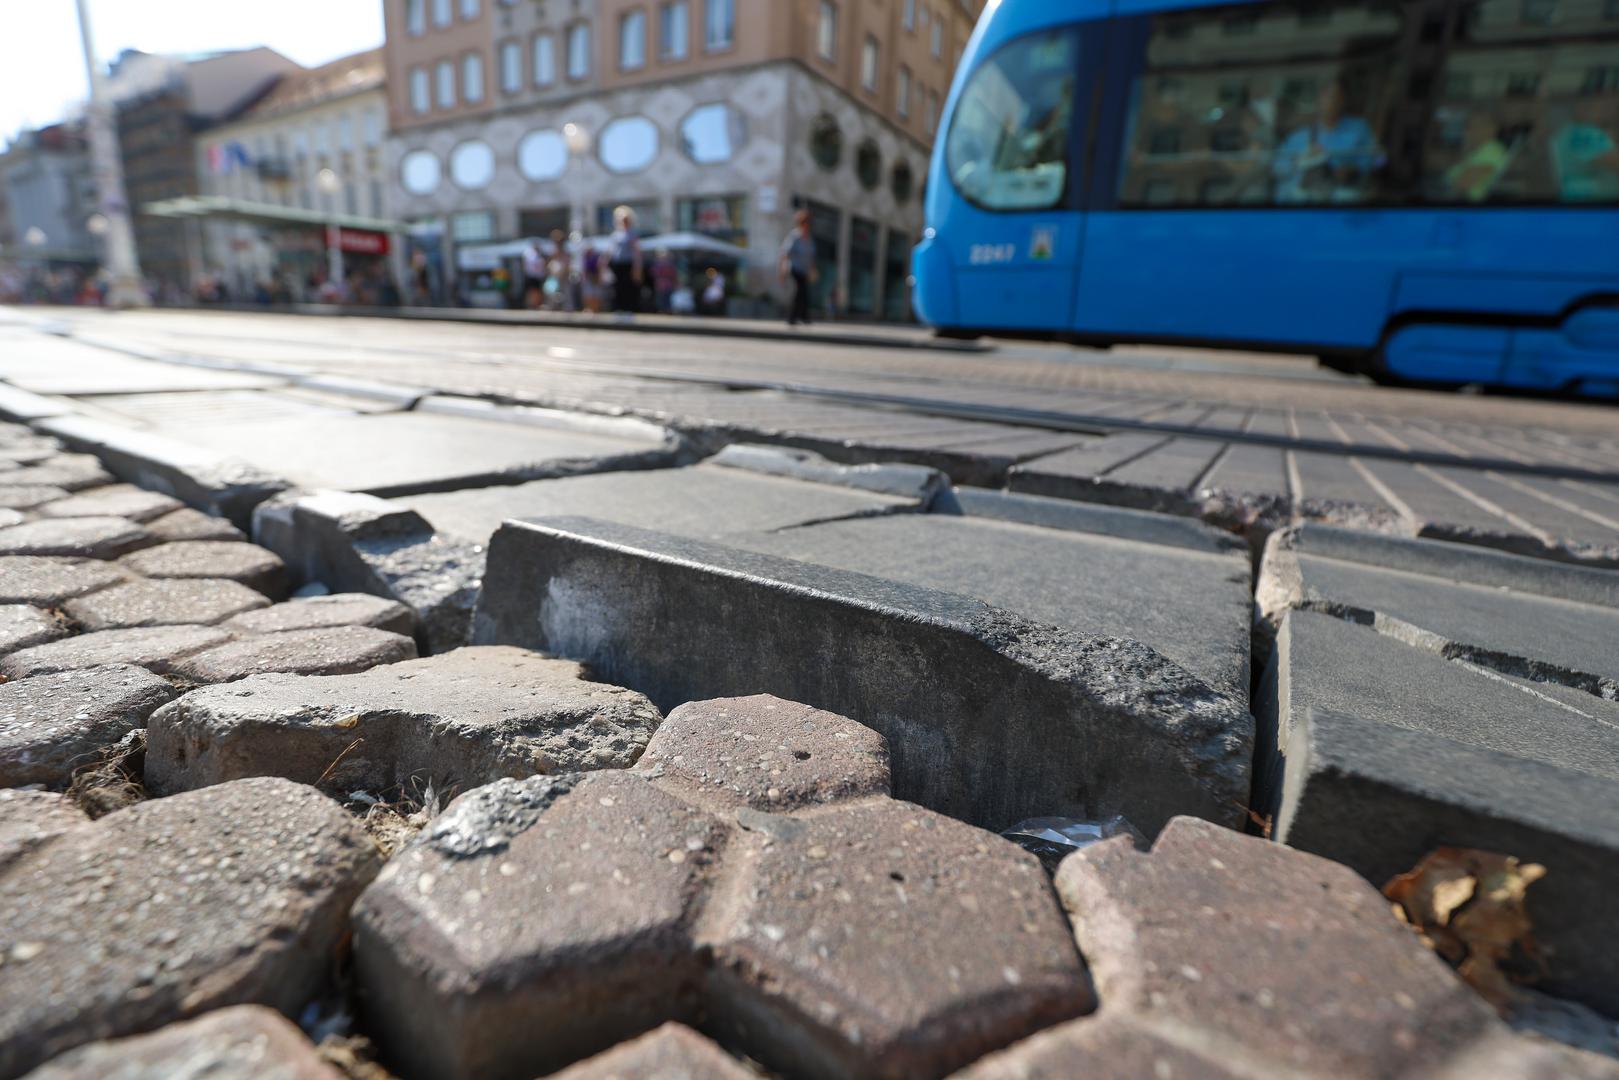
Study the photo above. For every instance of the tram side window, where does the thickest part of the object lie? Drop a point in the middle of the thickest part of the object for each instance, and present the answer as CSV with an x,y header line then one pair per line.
x,y
1290,105
1528,108
1008,144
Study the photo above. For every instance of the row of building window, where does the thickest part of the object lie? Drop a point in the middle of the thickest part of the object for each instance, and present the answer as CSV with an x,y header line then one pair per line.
x,y
674,31
443,13
933,22
439,88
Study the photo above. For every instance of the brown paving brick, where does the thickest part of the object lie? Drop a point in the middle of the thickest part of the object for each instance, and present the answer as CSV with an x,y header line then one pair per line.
x,y
245,1042
257,568
114,500
179,602
237,894
92,537
156,648
334,650
53,724
22,625
1254,944
765,753
317,612
671,1052
48,580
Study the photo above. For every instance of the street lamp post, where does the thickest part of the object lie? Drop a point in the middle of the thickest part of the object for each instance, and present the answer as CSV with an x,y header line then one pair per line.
x,y
326,180
124,288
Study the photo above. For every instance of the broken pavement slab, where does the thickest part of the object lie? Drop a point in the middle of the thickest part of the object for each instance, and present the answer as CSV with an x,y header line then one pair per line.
x,y
205,916
989,717
741,489
244,1042
51,725
460,719
643,886
359,543
1374,753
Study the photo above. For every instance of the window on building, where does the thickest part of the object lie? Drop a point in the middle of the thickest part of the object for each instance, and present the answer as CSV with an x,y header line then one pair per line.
x,y
719,25
827,34
933,111
374,189
415,17
472,78
868,63
674,23
373,123
632,41
902,92
345,132
421,98
579,51
910,14
441,12
323,142
444,77
470,9
472,227
511,67
938,37
545,59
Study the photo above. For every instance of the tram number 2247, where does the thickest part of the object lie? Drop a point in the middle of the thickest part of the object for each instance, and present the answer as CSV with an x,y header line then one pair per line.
x,y
989,254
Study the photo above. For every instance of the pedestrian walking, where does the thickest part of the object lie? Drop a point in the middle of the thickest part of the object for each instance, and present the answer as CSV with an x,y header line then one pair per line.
x,y
624,259
798,262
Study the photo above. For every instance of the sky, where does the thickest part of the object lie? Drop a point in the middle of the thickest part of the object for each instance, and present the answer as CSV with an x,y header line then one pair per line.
x,y
42,64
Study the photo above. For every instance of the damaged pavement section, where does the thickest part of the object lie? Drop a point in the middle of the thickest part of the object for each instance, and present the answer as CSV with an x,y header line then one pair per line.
x,y
1420,697
990,717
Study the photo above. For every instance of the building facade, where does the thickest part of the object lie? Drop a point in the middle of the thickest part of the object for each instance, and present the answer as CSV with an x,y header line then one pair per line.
x,y
163,105
49,195
269,163
718,117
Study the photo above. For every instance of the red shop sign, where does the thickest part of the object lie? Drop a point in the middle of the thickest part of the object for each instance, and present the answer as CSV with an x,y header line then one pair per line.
x,y
362,242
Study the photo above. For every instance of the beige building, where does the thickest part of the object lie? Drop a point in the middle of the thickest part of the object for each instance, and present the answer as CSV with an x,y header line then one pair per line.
x,y
270,207
718,117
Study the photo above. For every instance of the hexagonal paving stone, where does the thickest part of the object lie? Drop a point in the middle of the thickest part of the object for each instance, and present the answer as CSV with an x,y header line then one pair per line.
x,y
172,907
156,648
253,566
462,718
53,724
765,753
22,625
672,1052
862,936
29,817
1247,943
91,537
457,985
335,650
28,496
189,524
74,472
245,1042
1106,1047
114,500
316,612
180,602
49,580
901,942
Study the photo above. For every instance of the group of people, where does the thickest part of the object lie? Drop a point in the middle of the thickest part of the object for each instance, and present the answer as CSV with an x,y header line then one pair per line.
x,y
618,277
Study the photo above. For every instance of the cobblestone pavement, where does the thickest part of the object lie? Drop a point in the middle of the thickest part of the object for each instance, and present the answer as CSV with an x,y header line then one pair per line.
x,y
430,700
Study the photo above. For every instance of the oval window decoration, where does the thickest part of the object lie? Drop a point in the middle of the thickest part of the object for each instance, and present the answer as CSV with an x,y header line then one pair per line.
x,y
472,165
868,165
629,144
902,182
542,155
711,134
826,141
419,172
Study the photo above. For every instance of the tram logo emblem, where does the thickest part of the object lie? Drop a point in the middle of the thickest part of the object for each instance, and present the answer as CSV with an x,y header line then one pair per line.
x,y
1043,243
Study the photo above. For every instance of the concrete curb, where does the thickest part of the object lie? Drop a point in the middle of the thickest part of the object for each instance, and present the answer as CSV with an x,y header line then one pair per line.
x,y
218,485
903,481
1095,519
991,717
25,406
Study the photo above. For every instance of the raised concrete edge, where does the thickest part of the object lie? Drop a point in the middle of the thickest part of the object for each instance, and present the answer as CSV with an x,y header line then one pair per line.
x,y
25,406
402,397
618,427
1458,562
1096,519
219,485
917,482
1104,723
